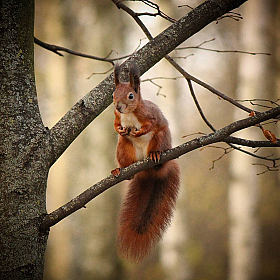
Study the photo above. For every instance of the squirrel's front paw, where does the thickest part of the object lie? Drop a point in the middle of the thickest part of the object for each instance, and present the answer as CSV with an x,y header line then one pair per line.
x,y
123,131
134,132
116,172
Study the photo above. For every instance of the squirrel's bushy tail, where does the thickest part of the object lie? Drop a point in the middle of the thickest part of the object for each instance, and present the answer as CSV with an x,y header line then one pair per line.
x,y
147,210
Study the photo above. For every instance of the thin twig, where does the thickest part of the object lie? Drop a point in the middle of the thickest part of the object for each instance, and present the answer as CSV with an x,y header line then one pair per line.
x,y
57,49
188,6
226,151
232,15
184,57
198,106
100,73
159,12
275,102
223,51
192,134
199,47
268,168
152,81
155,84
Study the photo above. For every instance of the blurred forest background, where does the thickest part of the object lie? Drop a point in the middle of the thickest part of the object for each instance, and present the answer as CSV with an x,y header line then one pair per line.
x,y
227,220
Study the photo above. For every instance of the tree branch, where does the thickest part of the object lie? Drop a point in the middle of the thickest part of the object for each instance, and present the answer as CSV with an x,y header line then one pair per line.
x,y
158,13
93,103
199,47
57,49
210,88
221,135
233,140
252,144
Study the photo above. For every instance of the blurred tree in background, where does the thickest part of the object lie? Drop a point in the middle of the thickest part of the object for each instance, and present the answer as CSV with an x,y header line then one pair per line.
x,y
227,219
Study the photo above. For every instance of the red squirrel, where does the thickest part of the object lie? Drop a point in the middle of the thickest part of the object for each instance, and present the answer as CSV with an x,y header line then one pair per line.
x,y
143,132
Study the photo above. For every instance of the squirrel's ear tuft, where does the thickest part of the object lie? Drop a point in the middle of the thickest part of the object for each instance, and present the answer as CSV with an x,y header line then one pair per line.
x,y
117,74
134,76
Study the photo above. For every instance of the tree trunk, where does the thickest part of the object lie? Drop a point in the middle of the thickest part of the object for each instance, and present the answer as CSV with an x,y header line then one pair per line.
x,y
23,169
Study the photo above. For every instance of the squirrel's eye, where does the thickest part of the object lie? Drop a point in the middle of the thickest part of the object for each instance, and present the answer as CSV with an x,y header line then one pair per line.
x,y
130,96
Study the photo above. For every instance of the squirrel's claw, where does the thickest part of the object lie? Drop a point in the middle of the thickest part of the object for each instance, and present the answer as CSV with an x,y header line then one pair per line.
x,y
124,131
116,172
155,156
134,131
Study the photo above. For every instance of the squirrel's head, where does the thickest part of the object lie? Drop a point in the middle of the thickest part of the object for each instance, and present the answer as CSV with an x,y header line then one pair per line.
x,y
127,96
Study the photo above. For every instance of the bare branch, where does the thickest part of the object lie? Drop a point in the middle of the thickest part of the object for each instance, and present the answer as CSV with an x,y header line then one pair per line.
x,y
159,12
267,168
226,151
220,135
188,6
157,85
231,15
252,144
210,88
152,81
252,102
198,106
100,73
192,134
233,139
199,47
57,49
134,15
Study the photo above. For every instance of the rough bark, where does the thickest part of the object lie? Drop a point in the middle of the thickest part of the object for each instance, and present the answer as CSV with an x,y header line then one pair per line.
x,y
23,178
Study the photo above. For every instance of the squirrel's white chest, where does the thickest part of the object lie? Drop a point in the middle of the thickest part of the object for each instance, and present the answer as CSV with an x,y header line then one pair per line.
x,y
130,120
139,143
